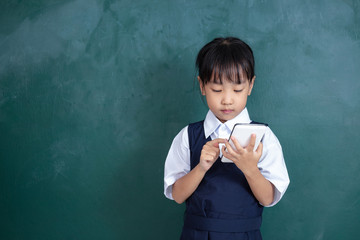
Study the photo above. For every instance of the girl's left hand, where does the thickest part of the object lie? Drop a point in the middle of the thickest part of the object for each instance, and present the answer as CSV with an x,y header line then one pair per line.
x,y
246,159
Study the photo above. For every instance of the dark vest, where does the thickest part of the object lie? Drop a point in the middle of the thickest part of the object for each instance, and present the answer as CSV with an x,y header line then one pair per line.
x,y
223,202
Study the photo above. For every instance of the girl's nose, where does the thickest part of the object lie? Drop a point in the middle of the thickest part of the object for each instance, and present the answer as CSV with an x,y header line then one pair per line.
x,y
227,99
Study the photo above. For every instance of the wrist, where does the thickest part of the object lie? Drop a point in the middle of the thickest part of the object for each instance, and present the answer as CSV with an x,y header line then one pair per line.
x,y
252,173
200,169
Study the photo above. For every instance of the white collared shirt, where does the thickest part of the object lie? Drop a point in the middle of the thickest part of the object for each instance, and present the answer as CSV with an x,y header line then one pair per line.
x,y
271,163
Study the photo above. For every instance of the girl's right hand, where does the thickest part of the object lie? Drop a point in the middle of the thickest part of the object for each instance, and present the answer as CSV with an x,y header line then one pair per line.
x,y
210,153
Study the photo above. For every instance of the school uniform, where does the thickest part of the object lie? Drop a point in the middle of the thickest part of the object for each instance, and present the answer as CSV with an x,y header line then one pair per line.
x,y
223,206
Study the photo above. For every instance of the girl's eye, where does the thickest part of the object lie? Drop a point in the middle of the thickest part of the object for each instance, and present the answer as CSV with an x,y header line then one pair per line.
x,y
216,90
237,91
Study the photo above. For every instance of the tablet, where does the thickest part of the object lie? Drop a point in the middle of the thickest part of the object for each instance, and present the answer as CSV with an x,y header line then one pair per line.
x,y
242,132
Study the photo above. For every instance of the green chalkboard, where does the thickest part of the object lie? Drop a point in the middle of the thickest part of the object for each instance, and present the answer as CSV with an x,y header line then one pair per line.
x,y
92,93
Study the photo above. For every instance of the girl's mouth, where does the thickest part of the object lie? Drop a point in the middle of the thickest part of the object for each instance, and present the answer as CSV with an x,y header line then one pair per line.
x,y
227,111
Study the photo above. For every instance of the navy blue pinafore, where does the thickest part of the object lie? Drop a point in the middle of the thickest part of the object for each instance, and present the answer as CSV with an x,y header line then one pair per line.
x,y
223,206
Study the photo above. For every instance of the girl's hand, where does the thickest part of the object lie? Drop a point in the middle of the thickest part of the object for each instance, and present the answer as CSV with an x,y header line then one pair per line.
x,y
246,159
210,153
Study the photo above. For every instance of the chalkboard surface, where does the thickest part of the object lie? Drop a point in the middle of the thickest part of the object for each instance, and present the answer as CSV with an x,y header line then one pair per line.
x,y
92,93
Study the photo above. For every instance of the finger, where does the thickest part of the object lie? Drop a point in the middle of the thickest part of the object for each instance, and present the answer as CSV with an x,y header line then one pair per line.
x,y
211,149
217,141
230,149
224,150
251,145
226,154
238,147
260,148
210,153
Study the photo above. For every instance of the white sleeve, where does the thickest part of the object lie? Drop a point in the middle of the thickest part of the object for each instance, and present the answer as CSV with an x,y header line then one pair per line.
x,y
177,162
272,165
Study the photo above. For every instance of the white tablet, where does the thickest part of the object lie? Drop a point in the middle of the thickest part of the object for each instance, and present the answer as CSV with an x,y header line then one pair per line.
x,y
242,133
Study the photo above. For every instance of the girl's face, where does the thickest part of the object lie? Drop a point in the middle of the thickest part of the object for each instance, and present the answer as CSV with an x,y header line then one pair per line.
x,y
226,100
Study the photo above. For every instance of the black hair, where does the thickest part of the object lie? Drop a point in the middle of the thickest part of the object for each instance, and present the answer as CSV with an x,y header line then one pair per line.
x,y
228,58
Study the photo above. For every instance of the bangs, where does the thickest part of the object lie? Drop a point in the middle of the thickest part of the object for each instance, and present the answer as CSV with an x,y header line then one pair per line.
x,y
232,73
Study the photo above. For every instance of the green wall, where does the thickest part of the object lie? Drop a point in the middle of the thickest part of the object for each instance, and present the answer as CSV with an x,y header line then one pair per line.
x,y
92,93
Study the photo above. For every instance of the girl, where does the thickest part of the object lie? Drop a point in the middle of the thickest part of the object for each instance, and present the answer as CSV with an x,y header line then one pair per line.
x,y
224,200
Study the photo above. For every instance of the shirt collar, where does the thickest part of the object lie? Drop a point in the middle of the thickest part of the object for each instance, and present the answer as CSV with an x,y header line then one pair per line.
x,y
211,122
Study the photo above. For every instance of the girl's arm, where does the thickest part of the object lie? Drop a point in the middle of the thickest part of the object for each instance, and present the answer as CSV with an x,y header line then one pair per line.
x,y
246,160
262,188
185,186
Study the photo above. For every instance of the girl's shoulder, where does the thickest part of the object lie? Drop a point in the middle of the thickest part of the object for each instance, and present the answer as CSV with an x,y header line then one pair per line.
x,y
196,125
255,122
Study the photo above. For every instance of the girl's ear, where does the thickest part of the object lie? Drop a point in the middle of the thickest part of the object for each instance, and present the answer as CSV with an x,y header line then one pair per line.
x,y
202,89
251,85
